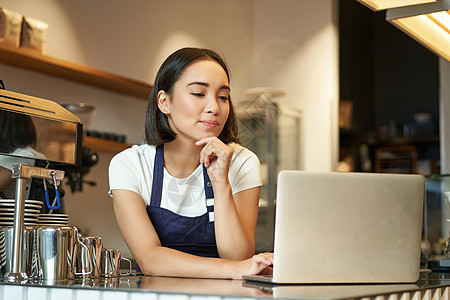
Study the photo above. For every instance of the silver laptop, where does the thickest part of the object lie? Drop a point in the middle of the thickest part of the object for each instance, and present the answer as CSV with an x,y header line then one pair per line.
x,y
347,228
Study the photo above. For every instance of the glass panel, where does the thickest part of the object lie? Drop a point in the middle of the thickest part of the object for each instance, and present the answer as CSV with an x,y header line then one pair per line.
x,y
436,214
25,136
272,132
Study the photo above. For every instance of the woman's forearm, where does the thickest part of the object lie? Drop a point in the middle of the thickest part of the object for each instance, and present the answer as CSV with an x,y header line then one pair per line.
x,y
233,240
162,261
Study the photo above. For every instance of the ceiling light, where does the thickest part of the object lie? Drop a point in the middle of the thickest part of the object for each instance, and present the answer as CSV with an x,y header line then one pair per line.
x,y
386,4
427,23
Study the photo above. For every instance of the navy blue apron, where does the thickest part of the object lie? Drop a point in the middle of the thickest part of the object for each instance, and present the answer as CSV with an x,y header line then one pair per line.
x,y
193,235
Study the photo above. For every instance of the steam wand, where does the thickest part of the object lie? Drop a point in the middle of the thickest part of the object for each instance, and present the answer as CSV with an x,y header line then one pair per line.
x,y
22,173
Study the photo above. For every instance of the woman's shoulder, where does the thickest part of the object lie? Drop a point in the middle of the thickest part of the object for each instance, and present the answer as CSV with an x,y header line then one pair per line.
x,y
240,153
244,170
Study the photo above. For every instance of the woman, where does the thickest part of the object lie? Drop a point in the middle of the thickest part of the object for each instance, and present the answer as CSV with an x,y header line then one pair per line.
x,y
187,201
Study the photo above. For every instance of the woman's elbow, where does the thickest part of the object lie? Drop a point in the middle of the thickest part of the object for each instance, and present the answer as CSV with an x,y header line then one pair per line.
x,y
242,254
148,268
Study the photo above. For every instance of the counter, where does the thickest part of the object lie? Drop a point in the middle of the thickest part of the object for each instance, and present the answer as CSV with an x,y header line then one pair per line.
x,y
430,286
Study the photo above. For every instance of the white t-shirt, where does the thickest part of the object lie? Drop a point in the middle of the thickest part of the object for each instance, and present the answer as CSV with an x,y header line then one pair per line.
x,y
132,169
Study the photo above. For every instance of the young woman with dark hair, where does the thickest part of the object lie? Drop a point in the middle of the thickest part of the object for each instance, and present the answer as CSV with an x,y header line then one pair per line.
x,y
187,201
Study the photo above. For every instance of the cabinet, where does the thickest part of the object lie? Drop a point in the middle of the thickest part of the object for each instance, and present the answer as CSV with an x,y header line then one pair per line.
x,y
272,131
398,159
403,155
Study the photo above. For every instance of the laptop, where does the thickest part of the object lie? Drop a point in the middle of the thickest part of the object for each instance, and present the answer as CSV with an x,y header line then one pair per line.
x,y
346,228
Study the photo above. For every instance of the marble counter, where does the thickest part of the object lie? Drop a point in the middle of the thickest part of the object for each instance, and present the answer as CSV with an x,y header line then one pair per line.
x,y
435,286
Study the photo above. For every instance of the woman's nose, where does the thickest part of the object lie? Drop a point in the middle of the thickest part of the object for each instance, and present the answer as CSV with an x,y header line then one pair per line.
x,y
212,106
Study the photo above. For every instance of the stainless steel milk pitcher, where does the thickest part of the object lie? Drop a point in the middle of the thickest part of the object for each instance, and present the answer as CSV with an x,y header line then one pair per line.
x,y
110,263
94,246
55,253
6,250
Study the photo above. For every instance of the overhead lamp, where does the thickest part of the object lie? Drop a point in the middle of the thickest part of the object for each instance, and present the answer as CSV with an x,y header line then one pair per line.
x,y
386,4
428,23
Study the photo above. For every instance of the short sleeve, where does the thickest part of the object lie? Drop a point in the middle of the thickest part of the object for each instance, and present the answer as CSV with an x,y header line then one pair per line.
x,y
132,169
244,170
121,174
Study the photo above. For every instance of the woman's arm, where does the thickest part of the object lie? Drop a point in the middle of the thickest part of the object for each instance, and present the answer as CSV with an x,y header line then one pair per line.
x,y
234,215
153,259
235,222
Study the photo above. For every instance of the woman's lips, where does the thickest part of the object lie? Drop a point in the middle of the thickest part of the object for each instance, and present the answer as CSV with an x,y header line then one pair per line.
x,y
211,124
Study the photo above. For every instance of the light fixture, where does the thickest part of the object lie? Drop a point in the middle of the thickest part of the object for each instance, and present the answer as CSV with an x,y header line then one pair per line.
x,y
386,4
428,23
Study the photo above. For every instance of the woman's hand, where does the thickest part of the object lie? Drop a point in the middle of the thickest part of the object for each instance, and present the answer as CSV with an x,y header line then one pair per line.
x,y
216,157
258,264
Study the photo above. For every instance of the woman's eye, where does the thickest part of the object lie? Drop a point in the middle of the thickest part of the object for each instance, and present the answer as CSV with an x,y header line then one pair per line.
x,y
198,94
225,98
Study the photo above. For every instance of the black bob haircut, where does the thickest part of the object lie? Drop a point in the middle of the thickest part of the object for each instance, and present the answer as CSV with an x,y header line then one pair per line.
x,y
157,129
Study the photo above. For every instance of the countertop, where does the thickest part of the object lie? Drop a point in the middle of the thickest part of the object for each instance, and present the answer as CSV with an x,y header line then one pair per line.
x,y
431,285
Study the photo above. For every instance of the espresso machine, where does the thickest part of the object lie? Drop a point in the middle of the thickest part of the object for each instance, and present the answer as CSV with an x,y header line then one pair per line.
x,y
39,140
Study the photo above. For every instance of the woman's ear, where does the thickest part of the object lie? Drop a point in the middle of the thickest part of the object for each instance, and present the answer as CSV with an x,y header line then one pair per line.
x,y
163,102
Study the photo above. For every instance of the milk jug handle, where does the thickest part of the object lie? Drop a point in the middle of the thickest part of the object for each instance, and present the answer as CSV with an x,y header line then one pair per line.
x,y
88,259
129,261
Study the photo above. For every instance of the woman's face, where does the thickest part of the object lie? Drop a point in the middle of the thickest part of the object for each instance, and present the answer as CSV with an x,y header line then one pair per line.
x,y
199,104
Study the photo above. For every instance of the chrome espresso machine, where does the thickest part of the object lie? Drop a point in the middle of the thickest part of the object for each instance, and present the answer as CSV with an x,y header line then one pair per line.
x,y
39,141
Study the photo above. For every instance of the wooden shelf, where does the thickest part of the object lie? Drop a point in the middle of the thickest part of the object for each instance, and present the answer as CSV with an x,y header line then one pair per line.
x,y
396,159
106,146
404,141
30,60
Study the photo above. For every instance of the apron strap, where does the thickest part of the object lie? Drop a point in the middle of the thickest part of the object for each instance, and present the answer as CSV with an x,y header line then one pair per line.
x,y
158,174
209,194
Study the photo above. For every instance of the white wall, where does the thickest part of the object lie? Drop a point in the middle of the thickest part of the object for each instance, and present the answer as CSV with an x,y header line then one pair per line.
x,y
289,44
296,50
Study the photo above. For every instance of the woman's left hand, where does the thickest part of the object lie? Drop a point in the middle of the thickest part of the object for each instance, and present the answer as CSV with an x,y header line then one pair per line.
x,y
216,157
